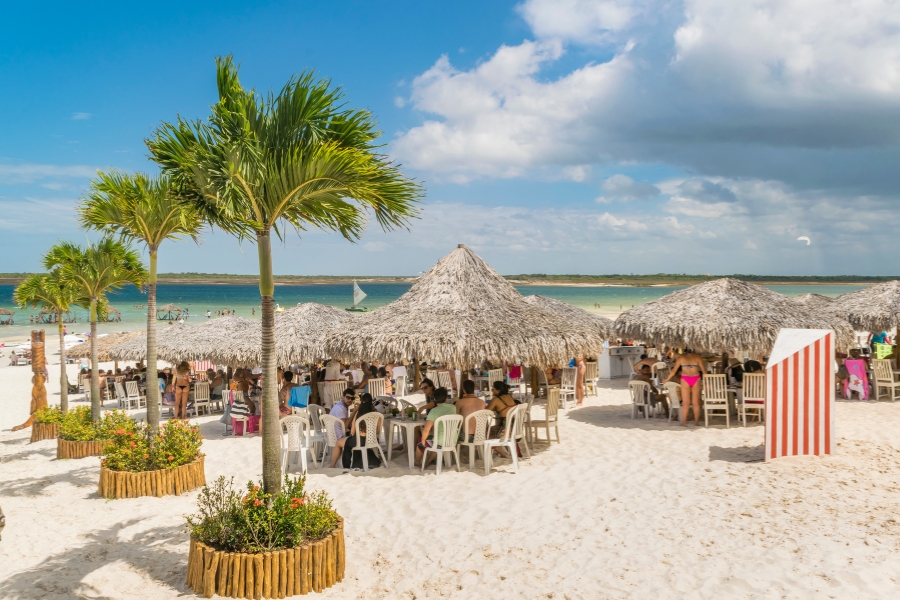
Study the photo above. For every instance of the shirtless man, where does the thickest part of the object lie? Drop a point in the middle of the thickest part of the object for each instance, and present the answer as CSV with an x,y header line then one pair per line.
x,y
644,375
692,369
468,403
649,362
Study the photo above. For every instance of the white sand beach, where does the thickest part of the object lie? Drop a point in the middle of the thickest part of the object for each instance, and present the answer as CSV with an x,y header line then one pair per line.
x,y
621,509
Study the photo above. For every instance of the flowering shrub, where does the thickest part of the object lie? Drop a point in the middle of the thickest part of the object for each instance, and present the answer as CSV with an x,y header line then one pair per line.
x,y
48,414
77,426
132,448
256,522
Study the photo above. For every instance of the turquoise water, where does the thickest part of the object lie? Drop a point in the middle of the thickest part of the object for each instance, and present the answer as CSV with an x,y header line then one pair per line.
x,y
244,299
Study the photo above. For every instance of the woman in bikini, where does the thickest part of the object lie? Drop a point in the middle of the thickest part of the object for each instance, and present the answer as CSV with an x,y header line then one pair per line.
x,y
692,369
182,389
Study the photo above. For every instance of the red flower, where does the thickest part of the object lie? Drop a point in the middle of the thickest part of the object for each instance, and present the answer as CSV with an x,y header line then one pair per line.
x,y
171,457
133,445
257,502
255,487
120,431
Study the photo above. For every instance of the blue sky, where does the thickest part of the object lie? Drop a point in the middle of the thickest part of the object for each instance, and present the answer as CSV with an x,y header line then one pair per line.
x,y
564,136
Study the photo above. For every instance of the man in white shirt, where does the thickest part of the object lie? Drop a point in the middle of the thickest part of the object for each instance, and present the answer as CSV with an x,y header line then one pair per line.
x,y
341,410
333,370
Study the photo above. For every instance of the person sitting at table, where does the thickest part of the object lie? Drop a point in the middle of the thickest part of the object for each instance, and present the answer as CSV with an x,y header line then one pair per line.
x,y
217,384
752,366
467,404
552,376
182,389
735,369
644,361
388,384
692,368
655,396
284,394
500,403
343,449
341,410
440,409
427,388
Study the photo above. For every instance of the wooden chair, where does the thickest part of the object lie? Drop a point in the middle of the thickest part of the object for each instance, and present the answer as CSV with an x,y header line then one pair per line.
x,y
201,397
551,417
134,394
754,395
885,377
715,397
591,378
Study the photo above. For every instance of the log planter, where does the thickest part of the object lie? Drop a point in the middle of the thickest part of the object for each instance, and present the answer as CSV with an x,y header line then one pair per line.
x,y
311,567
44,431
164,482
67,449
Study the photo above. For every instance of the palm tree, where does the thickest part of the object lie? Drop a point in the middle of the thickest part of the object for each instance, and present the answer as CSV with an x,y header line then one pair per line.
x,y
296,159
51,293
94,270
138,207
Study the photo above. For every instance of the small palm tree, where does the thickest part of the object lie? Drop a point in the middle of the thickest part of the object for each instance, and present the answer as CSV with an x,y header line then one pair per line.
x,y
94,270
52,294
138,207
296,159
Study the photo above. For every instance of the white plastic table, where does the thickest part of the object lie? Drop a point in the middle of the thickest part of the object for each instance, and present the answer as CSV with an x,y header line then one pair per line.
x,y
410,438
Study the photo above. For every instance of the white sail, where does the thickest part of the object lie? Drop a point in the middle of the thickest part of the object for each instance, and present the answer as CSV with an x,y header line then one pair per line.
x,y
358,295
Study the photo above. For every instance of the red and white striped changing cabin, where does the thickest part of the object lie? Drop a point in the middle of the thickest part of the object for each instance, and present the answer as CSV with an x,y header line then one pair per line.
x,y
800,394
202,365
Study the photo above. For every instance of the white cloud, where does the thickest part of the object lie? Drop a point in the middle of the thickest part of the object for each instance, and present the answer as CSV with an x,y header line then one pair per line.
x,y
81,116
624,189
584,21
29,172
39,215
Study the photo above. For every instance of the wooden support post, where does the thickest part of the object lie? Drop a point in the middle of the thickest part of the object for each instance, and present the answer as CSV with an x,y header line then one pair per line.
x,y
38,389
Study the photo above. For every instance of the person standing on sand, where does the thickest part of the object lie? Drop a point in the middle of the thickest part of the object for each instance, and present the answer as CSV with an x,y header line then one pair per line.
x,y
692,369
208,314
580,369
182,389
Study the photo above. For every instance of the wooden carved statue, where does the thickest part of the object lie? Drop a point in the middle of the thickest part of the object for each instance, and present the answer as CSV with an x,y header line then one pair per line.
x,y
38,379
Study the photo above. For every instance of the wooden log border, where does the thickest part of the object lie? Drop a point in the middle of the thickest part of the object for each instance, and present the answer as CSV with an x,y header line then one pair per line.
x,y
44,431
164,482
67,449
311,567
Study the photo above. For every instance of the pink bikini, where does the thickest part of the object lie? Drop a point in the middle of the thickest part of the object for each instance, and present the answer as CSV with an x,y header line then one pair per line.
x,y
691,380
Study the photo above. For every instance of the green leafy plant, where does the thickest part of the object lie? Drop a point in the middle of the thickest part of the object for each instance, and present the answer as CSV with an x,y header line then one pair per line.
x,y
77,425
134,447
48,414
255,521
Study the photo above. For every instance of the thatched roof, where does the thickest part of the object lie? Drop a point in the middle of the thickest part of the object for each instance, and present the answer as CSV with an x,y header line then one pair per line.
x,y
112,310
814,301
873,309
604,326
460,313
168,307
104,345
724,314
300,331
4,311
225,340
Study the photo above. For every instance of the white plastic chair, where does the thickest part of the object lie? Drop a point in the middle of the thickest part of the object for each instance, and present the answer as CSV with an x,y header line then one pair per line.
x,y
333,392
443,380
715,397
512,434
201,397
400,386
658,372
373,422
134,394
121,396
567,385
295,438
445,440
640,397
672,390
754,399
377,387
550,419
591,376
480,428
494,375
331,424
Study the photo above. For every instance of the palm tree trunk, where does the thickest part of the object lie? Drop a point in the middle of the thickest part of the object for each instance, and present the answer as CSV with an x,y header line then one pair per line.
x,y
271,427
152,384
95,365
63,380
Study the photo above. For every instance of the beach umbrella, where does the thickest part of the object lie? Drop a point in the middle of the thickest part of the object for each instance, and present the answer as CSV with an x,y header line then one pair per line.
x,y
725,315
814,301
460,313
6,313
874,309
232,341
105,343
168,312
603,325
300,331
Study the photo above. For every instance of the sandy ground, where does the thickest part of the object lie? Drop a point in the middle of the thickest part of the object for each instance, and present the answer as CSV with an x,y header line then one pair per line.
x,y
621,509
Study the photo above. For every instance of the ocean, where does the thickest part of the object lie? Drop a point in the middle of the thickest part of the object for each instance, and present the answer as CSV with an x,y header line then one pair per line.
x,y
243,300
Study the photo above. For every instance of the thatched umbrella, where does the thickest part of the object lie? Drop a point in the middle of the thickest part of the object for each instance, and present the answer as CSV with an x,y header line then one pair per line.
x,y
814,301
724,314
232,341
168,312
603,325
872,309
113,314
300,331
460,313
104,345
6,313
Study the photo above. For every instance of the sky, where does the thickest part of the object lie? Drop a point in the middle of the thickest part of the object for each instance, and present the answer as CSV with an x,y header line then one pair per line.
x,y
551,136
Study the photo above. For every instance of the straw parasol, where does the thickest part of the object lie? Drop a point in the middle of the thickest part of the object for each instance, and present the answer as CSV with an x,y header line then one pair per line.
x,y
603,325
300,331
229,341
168,312
6,313
724,314
104,345
460,313
113,314
873,309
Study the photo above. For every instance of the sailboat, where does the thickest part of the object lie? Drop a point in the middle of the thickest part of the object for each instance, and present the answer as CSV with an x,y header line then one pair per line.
x,y
358,296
